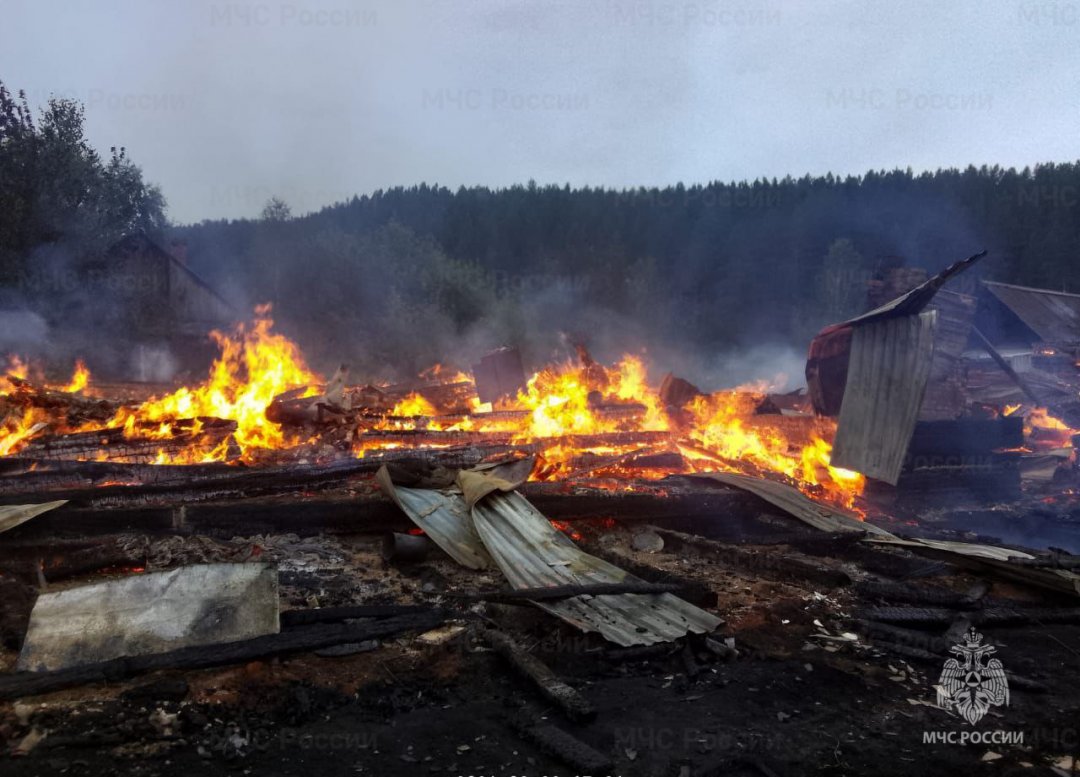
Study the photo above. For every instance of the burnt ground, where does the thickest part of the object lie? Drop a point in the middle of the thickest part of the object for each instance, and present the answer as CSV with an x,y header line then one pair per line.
x,y
805,695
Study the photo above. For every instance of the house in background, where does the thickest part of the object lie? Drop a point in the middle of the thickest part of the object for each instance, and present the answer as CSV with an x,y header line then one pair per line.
x,y
140,313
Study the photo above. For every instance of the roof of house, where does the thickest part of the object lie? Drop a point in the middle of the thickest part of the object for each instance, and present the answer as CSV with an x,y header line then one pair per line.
x,y
139,240
1052,315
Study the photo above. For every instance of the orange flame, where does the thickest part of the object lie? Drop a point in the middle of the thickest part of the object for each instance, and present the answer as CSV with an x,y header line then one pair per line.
x,y
414,405
561,402
255,366
80,379
1044,431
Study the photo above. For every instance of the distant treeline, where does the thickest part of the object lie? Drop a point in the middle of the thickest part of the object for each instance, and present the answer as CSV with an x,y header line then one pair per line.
x,y
399,276
399,279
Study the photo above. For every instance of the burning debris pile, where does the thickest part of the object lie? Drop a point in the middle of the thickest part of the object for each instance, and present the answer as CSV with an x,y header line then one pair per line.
x,y
376,556
261,404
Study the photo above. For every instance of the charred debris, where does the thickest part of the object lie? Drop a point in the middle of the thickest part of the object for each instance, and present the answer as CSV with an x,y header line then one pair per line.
x,y
569,571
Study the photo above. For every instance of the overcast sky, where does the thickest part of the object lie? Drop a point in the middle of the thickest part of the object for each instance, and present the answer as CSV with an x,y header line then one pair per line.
x,y
227,103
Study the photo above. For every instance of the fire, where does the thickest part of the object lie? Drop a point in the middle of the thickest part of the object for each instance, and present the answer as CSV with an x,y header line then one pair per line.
x,y
562,404
255,366
720,427
565,401
566,529
80,379
1045,431
17,429
17,368
568,415
414,405
439,373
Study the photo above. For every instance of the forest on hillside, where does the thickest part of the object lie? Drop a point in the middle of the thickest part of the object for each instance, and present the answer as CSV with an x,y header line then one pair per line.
x,y
409,275
702,277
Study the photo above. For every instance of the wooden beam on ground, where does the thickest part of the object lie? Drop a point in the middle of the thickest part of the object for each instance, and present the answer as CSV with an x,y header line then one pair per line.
x,y
14,686
576,706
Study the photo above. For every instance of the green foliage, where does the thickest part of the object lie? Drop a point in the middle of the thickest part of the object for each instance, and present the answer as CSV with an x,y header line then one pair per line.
x,y
703,267
57,191
841,282
276,209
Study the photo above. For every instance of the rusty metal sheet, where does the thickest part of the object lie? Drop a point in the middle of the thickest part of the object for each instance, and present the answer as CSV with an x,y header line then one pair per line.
x,y
1053,315
503,529
532,554
827,363
887,375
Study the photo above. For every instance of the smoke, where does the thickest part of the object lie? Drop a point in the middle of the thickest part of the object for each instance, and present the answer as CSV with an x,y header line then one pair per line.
x,y
22,331
779,367
152,364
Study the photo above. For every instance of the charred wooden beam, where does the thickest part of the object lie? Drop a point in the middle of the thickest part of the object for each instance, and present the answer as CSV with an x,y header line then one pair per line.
x,y
997,616
816,543
567,748
1047,562
1001,362
291,619
52,566
694,591
568,591
576,706
292,641
265,502
765,563
899,592
926,642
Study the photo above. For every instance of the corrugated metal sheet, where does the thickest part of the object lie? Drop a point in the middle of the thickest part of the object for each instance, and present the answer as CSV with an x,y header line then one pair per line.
x,y
532,553
887,374
504,530
827,361
1053,315
795,503
444,517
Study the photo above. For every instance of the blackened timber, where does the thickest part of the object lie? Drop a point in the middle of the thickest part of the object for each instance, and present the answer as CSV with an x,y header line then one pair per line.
x,y
1001,362
576,706
911,594
321,635
1048,562
567,748
909,638
996,616
294,618
568,591
333,507
964,437
816,543
768,564
693,591
61,566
